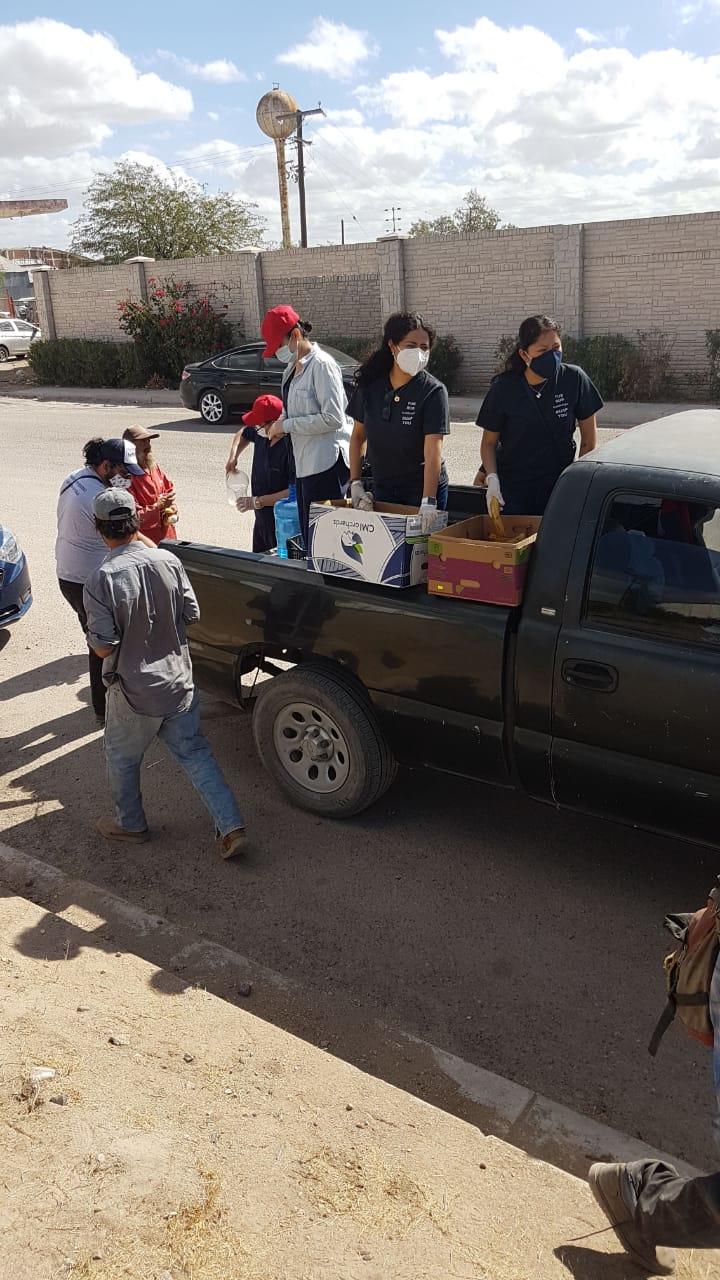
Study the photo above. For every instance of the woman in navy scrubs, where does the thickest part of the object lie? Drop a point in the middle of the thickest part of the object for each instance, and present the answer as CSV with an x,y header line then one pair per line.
x,y
529,416
401,414
272,468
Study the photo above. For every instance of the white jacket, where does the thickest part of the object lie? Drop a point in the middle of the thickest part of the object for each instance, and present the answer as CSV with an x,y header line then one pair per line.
x,y
316,420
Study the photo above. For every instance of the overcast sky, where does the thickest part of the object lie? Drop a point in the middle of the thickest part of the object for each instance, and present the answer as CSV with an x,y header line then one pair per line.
x,y
561,112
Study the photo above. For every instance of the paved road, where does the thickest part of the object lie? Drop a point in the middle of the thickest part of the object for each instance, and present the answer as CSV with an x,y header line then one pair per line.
x,y
524,940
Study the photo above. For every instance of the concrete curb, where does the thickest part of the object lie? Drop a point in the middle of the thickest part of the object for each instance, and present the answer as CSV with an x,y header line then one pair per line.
x,y
94,395
463,409
543,1128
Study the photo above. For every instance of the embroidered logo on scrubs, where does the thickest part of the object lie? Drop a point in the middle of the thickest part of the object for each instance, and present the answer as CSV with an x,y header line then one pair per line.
x,y
561,406
408,413
352,545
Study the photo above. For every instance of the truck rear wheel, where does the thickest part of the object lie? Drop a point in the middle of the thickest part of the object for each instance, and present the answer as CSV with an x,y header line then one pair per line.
x,y
317,734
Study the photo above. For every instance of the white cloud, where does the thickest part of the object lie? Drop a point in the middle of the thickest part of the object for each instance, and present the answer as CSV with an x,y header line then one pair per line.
x,y
587,37
351,116
688,12
213,115
64,88
331,47
550,136
219,71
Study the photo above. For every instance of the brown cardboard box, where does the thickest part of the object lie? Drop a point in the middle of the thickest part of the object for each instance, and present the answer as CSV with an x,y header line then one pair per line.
x,y
465,562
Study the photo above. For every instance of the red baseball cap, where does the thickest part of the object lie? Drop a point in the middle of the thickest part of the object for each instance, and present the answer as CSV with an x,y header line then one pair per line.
x,y
265,409
276,326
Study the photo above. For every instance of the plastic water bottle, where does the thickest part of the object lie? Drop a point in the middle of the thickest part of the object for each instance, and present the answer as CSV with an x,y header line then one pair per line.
x,y
287,521
236,484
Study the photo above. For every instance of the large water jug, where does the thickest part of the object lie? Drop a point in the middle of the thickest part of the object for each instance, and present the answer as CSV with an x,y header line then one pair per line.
x,y
287,521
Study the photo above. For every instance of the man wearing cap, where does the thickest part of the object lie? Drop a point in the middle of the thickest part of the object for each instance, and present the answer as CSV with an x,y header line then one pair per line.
x,y
271,468
314,404
138,604
79,549
154,494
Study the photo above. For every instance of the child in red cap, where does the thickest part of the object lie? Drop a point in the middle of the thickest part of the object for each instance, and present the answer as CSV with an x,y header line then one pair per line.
x,y
272,468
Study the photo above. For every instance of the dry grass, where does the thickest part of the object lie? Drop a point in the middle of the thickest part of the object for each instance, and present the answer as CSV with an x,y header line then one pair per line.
x,y
194,1242
384,1200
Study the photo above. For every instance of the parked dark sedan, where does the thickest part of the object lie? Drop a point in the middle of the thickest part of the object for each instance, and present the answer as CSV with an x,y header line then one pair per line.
x,y
15,591
233,379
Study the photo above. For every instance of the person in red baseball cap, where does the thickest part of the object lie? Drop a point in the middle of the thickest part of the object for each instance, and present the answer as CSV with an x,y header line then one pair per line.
x,y
271,468
314,404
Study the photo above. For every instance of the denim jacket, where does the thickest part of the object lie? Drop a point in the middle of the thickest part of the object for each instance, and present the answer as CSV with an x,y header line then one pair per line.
x,y
315,417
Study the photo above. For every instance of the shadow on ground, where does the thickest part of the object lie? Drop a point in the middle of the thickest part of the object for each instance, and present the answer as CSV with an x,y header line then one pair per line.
x,y
520,939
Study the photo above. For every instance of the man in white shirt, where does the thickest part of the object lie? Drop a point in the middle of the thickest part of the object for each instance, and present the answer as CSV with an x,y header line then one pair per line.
x,y
79,549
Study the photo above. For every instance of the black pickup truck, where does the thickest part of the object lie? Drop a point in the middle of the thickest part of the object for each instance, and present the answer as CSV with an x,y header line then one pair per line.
x,y
600,693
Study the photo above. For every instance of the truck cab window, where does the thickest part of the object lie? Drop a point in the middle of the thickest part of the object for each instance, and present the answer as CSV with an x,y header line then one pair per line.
x,y
656,569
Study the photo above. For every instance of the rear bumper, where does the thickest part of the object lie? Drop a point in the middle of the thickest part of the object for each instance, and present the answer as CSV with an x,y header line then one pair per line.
x,y
188,394
15,592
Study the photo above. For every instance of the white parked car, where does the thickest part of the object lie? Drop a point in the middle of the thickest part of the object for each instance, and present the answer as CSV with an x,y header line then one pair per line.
x,y
16,337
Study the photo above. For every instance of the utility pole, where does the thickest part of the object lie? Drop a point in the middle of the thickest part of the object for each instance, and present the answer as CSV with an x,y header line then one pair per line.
x,y
301,144
395,211
342,230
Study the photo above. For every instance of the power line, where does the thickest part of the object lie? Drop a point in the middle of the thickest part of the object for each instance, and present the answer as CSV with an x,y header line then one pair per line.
x,y
346,206
190,163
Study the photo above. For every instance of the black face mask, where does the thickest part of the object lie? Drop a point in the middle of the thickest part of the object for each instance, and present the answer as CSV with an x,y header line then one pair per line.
x,y
547,364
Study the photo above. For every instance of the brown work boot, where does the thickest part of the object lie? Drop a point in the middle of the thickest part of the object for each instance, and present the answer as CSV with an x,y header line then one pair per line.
x,y
112,831
606,1185
232,844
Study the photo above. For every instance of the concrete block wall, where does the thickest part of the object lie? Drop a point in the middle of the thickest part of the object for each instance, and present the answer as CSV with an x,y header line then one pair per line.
x,y
655,273
605,277
479,287
85,301
336,287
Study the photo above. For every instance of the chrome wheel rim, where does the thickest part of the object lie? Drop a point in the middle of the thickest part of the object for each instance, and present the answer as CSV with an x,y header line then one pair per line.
x,y
311,748
212,407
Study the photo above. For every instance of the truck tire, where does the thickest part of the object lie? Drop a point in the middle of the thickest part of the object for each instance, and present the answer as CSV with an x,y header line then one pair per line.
x,y
213,408
317,734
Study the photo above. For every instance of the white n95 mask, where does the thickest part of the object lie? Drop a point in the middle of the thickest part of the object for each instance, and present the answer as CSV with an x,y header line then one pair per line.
x,y
411,360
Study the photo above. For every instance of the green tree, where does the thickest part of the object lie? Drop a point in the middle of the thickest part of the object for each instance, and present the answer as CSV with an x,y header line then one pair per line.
x,y
136,210
472,215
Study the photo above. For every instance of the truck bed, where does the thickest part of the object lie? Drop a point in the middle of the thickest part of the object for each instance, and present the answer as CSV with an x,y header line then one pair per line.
x,y
428,663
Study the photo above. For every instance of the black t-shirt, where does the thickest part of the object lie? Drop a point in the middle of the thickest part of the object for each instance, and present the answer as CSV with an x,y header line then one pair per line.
x,y
271,464
396,442
536,432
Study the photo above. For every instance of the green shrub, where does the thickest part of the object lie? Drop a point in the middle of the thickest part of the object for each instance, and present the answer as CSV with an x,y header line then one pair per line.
x,y
647,374
358,348
622,369
606,359
712,347
504,349
84,362
172,328
445,360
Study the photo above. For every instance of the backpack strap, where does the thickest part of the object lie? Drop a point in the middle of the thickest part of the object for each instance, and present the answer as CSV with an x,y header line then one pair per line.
x,y
666,1019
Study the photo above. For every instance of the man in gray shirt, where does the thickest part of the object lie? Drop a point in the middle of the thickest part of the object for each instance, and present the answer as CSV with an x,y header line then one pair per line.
x,y
138,603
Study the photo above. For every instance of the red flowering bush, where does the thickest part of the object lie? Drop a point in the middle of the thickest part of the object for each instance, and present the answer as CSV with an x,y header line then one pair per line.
x,y
172,328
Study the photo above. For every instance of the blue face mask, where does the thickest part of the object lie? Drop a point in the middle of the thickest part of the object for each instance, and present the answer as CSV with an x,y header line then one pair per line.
x,y
547,365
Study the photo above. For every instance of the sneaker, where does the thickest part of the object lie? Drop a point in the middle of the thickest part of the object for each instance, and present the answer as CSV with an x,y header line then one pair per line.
x,y
112,831
606,1185
232,844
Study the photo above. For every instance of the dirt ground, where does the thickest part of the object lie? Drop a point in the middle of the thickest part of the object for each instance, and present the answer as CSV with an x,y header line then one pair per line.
x,y
182,1138
499,931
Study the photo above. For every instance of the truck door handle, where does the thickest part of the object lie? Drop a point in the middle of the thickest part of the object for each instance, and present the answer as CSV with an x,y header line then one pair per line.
x,y
590,675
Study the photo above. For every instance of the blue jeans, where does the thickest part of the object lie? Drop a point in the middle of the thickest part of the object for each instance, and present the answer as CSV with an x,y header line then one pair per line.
x,y
128,736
